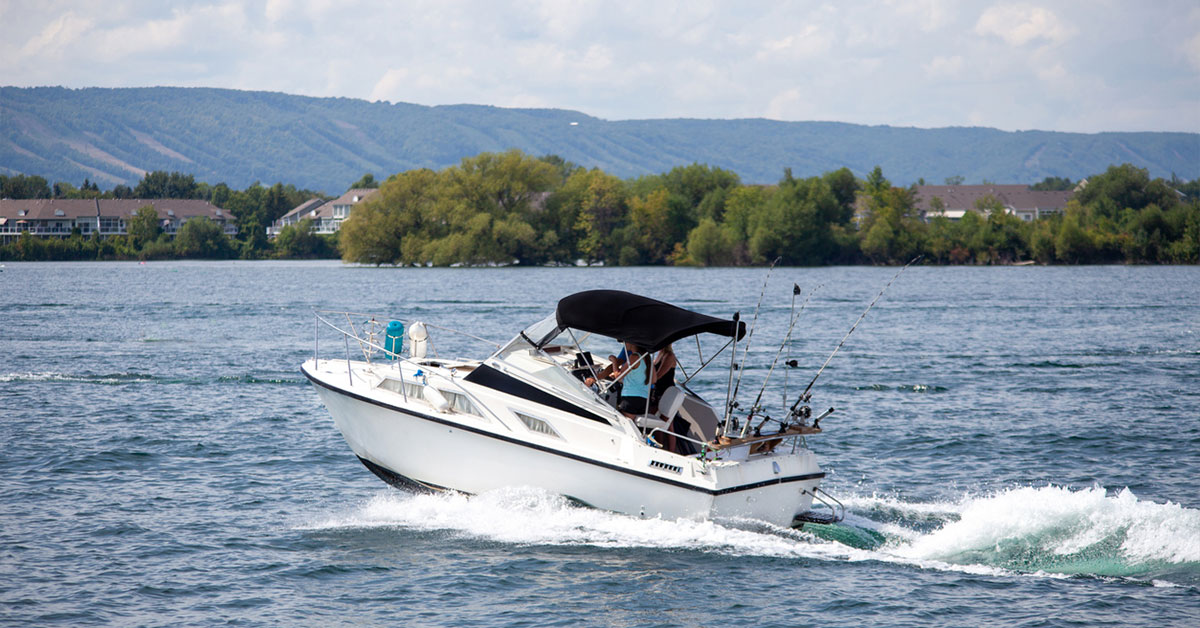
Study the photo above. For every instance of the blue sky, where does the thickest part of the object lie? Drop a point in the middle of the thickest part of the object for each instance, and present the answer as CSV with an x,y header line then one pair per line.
x,y
1078,66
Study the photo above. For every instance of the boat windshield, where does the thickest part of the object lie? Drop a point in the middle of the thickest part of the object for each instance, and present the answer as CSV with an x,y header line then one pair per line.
x,y
546,351
530,337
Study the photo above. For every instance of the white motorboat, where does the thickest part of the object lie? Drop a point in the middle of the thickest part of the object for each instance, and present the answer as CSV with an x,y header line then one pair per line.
x,y
523,417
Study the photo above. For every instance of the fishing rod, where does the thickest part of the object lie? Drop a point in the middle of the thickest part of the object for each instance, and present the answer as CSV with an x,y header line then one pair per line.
x,y
787,338
731,401
737,316
804,396
791,314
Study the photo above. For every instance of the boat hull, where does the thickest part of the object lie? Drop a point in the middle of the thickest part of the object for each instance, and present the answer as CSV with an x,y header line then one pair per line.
x,y
438,451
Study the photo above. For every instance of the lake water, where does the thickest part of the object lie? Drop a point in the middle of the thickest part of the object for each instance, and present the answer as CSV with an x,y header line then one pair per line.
x,y
1016,447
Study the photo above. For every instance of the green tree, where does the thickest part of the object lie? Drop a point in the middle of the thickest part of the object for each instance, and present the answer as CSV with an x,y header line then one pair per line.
x,y
845,187
599,201
564,168
62,189
1053,184
650,217
160,184
800,222
892,231
942,241
1007,237
500,183
144,227
366,182
299,241
219,195
202,238
876,184
710,245
24,187
1125,187
1186,249
1072,244
275,205
1041,241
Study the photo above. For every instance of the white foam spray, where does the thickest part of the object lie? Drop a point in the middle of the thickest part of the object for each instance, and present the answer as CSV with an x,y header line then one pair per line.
x,y
1045,531
1052,526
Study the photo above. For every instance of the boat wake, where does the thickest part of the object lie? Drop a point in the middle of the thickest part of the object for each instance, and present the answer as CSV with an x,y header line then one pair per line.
x,y
1045,531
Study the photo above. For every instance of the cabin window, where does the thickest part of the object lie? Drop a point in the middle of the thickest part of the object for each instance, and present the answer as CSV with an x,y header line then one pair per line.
x,y
537,425
408,389
460,403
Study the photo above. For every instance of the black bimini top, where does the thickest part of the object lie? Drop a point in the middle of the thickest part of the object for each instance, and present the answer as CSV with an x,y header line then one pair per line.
x,y
648,323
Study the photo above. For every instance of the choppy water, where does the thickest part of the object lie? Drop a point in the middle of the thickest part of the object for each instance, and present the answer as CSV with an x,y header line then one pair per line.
x,y
1016,446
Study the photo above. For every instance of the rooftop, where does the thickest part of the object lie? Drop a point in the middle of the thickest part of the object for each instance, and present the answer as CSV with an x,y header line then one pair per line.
x,y
68,209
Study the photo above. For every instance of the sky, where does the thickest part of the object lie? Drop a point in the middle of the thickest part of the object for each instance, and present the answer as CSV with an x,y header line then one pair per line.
x,y
1093,66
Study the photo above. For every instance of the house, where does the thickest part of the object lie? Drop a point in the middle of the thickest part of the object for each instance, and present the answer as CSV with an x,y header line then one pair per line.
x,y
58,218
954,201
300,212
328,216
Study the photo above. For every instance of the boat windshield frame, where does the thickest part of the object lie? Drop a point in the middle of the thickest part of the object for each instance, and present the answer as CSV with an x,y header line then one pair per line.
x,y
543,334
545,331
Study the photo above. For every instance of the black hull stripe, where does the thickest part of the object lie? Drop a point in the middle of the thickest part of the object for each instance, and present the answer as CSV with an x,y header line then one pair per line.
x,y
564,454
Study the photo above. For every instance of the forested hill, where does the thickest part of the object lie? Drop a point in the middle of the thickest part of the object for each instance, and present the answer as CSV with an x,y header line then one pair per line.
x,y
115,135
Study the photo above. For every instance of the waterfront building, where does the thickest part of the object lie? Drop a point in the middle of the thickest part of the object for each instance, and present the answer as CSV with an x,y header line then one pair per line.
x,y
327,216
59,218
954,201
298,213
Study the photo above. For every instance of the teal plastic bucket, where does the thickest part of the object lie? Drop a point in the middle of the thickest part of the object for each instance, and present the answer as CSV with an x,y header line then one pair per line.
x,y
393,339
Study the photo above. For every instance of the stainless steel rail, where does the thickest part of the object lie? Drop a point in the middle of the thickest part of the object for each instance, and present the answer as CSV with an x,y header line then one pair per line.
x,y
707,447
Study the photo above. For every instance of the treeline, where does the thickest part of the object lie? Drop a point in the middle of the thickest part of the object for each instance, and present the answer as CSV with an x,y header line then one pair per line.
x,y
511,208
253,210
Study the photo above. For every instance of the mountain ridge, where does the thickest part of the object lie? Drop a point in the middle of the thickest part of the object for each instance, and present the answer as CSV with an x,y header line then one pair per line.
x,y
114,135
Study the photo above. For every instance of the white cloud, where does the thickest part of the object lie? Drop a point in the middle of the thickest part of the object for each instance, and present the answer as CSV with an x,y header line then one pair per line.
x,y
809,42
199,27
1051,73
939,62
1019,24
390,85
276,10
1191,49
931,15
944,67
58,35
547,60
796,104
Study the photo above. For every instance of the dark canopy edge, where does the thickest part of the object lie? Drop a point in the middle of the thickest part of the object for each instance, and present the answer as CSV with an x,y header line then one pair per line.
x,y
648,323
